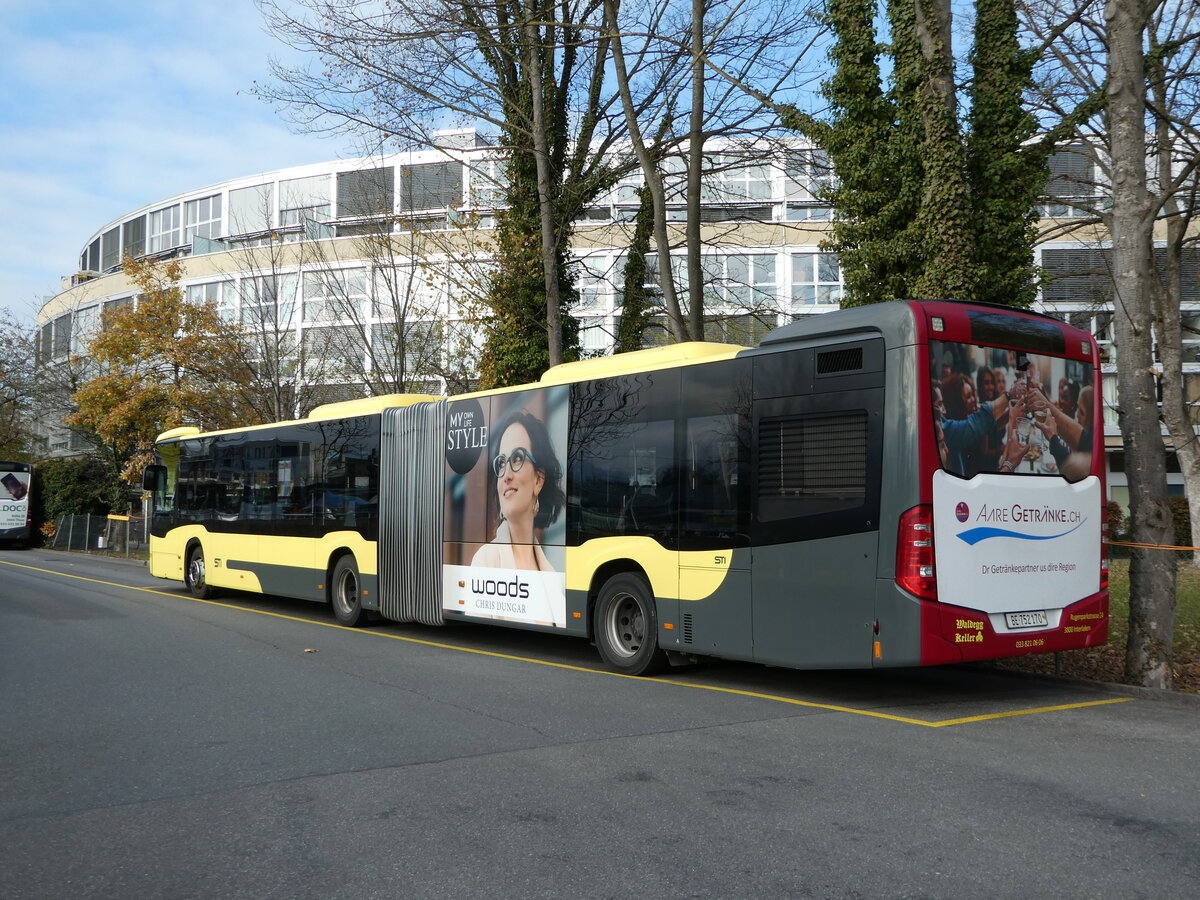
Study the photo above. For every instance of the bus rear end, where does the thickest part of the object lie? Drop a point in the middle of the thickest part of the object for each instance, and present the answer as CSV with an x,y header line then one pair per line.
x,y
1005,551
16,508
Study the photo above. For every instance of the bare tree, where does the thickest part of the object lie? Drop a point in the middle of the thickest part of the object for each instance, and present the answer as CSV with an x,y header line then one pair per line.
x,y
1173,96
405,290
1152,573
532,71
18,385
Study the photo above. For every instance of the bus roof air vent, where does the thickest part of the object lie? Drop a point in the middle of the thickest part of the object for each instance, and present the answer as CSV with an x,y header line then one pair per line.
x,y
832,362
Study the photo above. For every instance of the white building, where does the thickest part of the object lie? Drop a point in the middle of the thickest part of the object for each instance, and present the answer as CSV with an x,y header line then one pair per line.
x,y
297,251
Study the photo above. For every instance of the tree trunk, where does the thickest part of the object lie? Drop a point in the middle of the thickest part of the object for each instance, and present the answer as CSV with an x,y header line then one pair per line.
x,y
945,207
695,166
1151,572
1168,323
541,153
679,327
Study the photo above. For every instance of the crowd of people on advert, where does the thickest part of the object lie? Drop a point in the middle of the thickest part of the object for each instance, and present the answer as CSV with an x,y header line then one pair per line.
x,y
1008,419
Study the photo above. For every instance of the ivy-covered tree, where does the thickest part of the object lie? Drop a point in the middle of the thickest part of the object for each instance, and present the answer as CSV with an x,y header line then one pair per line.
x,y
926,207
636,303
517,346
1005,173
161,363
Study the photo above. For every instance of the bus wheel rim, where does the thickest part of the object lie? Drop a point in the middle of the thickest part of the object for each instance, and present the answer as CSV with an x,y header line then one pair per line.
x,y
347,592
196,570
626,624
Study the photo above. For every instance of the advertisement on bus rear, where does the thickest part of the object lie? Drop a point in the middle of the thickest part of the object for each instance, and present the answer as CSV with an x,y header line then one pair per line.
x,y
14,499
1016,507
1011,412
505,524
1009,544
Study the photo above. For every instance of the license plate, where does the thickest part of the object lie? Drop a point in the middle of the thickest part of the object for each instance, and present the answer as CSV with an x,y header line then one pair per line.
x,y
1034,619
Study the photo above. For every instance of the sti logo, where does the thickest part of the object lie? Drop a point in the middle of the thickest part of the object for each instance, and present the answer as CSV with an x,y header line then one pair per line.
x,y
961,512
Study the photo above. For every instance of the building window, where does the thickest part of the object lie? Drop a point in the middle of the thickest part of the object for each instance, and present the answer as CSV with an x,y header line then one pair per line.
x,y
366,192
133,237
594,336
250,209
62,336
736,177
110,253
1072,189
816,280
304,198
593,282
165,230
808,174
86,327
335,294
268,302
332,354
203,218
405,354
749,281
221,294
488,179
431,186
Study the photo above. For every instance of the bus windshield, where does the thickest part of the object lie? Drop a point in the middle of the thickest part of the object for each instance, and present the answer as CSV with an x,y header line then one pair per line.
x,y
1004,411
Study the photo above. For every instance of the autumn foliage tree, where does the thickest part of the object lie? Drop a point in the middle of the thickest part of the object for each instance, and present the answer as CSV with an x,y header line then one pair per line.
x,y
161,363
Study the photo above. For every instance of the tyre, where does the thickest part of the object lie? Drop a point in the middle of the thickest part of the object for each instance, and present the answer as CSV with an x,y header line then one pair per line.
x,y
345,593
626,627
194,575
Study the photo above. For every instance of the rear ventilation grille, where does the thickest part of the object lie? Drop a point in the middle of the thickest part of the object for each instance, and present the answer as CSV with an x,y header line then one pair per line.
x,y
833,361
687,628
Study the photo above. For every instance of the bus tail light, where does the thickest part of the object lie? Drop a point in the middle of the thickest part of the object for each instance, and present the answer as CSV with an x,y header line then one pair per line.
x,y
914,553
1104,553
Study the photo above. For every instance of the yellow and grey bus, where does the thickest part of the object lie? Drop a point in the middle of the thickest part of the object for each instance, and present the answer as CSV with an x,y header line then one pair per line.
x,y
903,484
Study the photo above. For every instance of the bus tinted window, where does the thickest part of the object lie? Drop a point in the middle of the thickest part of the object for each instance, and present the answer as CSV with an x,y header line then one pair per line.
x,y
1011,411
1005,329
299,480
623,475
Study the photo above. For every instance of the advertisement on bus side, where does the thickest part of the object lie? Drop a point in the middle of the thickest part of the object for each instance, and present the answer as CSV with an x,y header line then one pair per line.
x,y
505,522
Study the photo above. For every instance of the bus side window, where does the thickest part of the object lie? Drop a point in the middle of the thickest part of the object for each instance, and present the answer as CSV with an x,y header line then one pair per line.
x,y
622,470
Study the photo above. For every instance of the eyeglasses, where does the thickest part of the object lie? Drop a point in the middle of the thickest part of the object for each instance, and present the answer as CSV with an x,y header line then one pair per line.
x,y
515,461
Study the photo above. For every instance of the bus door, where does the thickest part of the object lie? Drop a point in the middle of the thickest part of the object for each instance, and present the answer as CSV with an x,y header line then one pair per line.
x,y
714,566
818,461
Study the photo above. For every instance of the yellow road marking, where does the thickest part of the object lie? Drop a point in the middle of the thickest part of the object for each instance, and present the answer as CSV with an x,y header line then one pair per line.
x,y
775,698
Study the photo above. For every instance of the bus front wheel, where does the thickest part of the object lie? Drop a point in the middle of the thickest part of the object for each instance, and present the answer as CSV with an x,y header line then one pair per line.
x,y
345,591
194,574
626,627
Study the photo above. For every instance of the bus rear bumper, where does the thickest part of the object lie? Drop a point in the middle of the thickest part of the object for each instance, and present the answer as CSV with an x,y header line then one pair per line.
x,y
952,634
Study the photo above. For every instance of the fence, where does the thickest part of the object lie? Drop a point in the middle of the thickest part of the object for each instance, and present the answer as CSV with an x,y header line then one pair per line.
x,y
110,535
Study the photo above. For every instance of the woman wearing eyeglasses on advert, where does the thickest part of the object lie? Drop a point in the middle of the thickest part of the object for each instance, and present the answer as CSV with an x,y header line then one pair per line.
x,y
527,477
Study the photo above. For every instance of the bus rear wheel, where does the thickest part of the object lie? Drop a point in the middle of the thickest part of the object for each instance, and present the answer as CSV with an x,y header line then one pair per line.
x,y
345,593
626,626
194,574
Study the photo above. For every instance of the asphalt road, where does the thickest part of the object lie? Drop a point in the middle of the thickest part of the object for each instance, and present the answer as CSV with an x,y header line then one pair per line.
x,y
155,746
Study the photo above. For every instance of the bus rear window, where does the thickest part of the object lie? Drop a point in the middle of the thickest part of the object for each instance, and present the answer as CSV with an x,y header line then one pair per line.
x,y
1011,411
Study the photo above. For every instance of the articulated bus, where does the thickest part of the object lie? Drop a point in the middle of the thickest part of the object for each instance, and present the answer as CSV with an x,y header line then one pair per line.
x,y
16,513
910,483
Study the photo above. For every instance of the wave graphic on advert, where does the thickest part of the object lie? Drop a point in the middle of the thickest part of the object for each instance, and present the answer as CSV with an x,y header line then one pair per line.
x,y
974,535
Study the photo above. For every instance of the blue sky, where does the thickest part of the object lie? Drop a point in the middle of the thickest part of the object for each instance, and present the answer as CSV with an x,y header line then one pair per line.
x,y
106,106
